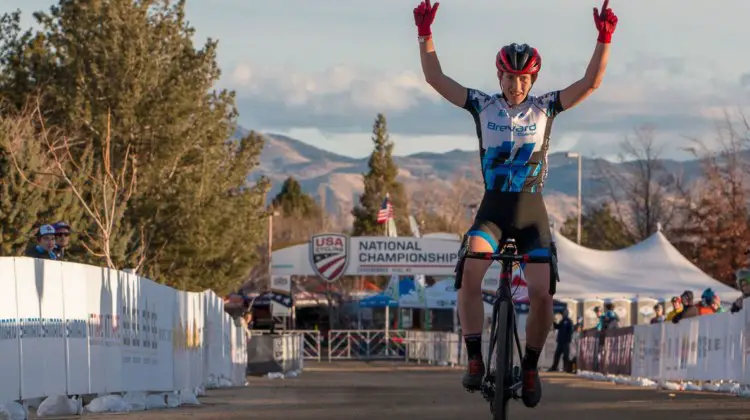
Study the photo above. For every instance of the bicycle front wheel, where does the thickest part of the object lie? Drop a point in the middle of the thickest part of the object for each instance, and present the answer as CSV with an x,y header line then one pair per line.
x,y
503,360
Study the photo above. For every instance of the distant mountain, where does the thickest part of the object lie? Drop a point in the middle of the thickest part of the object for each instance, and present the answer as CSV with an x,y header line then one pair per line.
x,y
336,180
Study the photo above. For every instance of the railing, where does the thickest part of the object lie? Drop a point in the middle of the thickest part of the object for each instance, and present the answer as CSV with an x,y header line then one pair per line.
x,y
366,344
312,341
447,349
431,347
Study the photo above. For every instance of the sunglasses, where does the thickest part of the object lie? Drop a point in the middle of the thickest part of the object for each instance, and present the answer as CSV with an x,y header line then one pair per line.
x,y
62,235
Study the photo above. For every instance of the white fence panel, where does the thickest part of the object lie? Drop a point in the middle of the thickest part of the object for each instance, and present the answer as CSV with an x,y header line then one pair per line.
x,y
75,305
69,328
40,310
10,357
104,340
706,348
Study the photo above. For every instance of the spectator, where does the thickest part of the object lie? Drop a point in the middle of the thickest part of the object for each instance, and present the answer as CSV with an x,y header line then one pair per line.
x,y
564,338
716,304
62,239
45,243
688,309
598,313
676,308
742,277
610,320
658,314
705,306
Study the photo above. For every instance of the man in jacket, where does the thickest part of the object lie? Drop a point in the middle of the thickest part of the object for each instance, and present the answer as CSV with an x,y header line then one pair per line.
x,y
676,308
45,244
564,337
689,310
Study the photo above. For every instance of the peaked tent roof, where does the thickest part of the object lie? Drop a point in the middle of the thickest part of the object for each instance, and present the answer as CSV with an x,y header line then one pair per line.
x,y
652,268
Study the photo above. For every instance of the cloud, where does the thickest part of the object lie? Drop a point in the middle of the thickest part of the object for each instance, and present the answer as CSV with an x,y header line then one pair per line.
x,y
342,100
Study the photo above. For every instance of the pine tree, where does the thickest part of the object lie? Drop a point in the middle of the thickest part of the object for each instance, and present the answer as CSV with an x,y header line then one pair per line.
x,y
600,229
30,192
379,181
193,210
291,201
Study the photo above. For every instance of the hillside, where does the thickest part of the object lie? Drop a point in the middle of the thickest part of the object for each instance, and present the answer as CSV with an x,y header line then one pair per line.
x,y
336,180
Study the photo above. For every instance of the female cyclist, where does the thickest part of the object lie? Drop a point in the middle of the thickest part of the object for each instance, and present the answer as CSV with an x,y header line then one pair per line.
x,y
513,129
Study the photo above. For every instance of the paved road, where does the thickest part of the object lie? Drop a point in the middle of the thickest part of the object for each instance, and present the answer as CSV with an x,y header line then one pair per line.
x,y
392,392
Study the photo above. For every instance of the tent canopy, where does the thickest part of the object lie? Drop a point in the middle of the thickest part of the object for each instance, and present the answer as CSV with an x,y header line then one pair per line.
x,y
381,300
441,295
652,268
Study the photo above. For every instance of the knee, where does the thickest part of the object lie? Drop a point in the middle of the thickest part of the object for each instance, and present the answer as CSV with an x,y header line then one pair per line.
x,y
473,274
537,276
541,299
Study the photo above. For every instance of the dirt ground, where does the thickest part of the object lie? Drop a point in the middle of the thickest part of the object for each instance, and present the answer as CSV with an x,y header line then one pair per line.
x,y
393,391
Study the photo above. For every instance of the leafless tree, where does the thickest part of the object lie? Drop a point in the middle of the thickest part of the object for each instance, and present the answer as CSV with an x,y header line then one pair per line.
x,y
443,205
640,187
716,232
103,191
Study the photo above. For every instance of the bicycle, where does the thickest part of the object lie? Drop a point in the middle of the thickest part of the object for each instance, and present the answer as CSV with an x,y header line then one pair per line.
x,y
504,330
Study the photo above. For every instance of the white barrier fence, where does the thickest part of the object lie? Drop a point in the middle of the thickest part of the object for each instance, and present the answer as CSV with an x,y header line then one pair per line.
x,y
706,348
443,348
68,329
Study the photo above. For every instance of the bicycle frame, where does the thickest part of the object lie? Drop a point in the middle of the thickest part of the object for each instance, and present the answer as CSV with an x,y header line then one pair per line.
x,y
502,385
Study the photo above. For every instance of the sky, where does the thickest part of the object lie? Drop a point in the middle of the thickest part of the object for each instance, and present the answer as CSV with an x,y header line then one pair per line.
x,y
320,71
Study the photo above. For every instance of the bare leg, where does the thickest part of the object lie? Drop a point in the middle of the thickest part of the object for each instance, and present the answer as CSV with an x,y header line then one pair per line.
x,y
537,328
471,311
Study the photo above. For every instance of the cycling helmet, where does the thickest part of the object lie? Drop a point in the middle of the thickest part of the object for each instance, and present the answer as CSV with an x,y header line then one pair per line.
x,y
518,59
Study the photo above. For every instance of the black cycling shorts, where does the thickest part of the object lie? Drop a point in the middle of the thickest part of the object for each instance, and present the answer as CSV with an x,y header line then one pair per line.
x,y
518,215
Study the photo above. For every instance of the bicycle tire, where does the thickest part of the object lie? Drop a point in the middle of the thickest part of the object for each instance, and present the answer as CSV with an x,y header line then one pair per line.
x,y
503,360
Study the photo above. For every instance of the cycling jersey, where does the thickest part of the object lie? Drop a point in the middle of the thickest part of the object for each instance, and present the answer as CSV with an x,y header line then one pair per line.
x,y
513,141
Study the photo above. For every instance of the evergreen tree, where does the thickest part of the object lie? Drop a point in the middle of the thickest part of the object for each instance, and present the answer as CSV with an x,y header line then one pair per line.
x,y
30,192
379,181
193,210
600,229
291,201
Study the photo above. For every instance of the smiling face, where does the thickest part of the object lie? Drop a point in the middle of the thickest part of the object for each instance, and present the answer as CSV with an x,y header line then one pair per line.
x,y
515,87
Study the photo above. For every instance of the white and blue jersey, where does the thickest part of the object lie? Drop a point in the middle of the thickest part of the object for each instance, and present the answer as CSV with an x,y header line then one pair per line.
x,y
513,141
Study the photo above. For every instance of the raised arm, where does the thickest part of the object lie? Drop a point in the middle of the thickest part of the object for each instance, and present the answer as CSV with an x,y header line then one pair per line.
x,y
606,22
448,88
424,15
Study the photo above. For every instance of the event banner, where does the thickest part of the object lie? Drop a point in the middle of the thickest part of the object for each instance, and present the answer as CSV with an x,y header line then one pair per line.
x,y
331,256
68,329
281,286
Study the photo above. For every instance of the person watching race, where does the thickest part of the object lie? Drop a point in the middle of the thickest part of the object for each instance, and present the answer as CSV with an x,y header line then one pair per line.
x,y
513,128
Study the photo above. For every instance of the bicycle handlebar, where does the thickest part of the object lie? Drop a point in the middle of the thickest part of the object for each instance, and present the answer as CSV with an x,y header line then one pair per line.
x,y
526,258
534,258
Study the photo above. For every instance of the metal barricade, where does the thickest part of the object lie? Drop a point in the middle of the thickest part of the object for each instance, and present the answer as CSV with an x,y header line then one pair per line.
x,y
311,341
366,344
447,349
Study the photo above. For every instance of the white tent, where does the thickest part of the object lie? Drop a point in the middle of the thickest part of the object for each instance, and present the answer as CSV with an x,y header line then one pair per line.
x,y
652,268
441,295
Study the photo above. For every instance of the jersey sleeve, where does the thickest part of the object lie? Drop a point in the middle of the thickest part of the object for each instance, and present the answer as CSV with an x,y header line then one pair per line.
x,y
550,103
476,101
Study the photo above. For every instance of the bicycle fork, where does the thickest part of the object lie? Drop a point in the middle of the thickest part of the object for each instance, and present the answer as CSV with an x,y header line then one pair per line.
x,y
513,381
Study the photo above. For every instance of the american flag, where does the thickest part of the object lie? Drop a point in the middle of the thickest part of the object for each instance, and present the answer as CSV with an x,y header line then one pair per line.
x,y
386,211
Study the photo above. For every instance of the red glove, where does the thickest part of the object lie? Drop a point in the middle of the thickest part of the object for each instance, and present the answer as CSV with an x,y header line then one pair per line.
x,y
606,22
424,15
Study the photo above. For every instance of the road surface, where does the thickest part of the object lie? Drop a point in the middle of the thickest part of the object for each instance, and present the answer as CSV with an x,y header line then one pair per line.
x,y
393,391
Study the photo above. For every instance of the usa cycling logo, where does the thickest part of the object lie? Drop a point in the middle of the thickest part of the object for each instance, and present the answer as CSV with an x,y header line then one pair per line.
x,y
329,255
